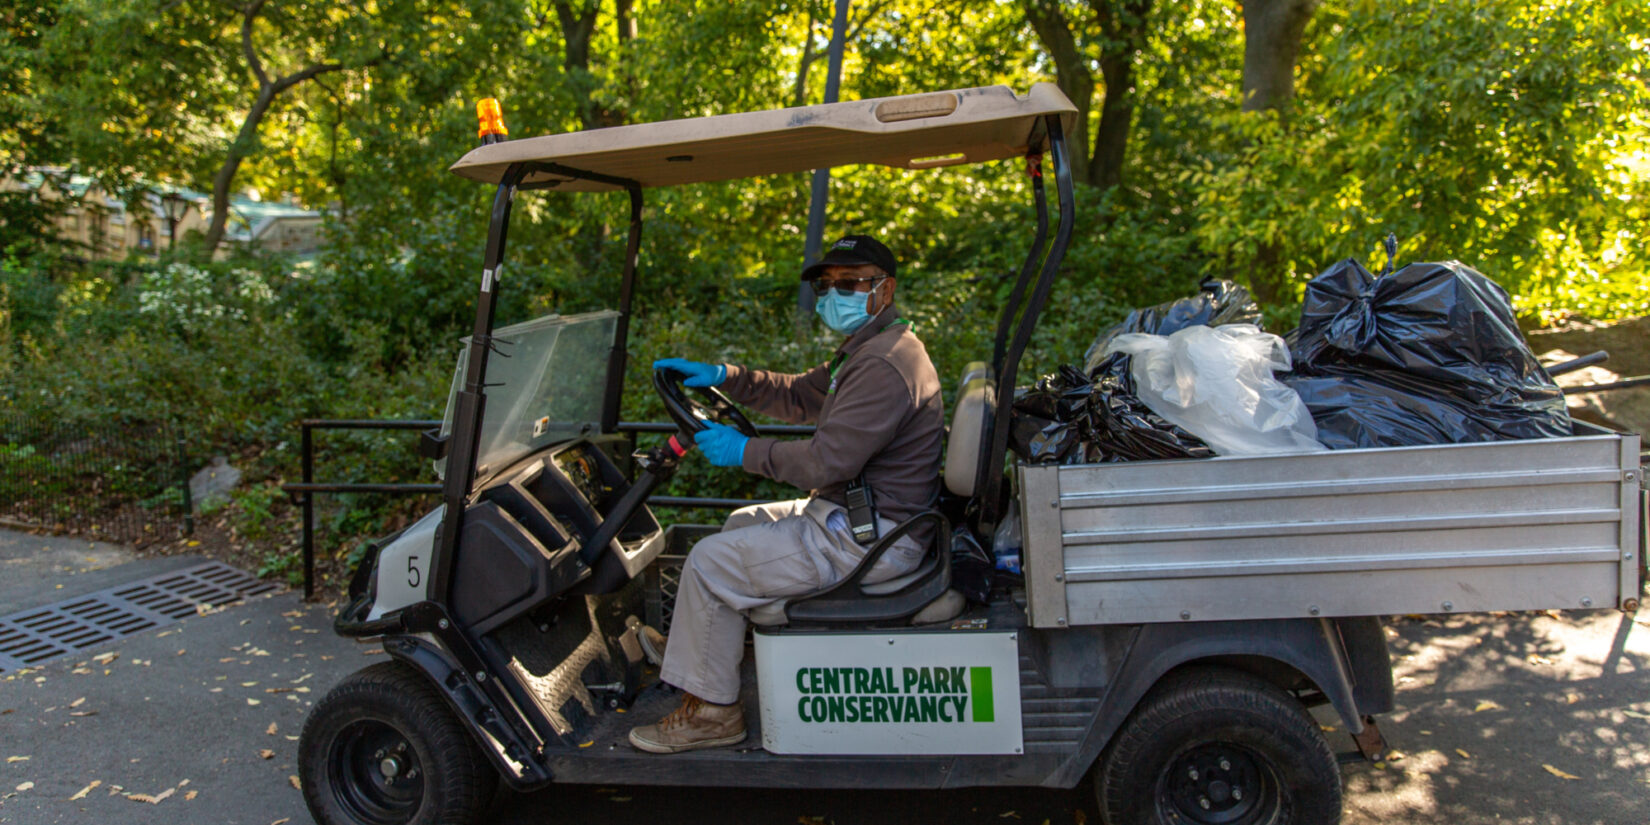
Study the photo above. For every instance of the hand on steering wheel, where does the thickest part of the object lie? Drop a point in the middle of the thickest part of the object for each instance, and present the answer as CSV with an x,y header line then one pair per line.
x,y
691,415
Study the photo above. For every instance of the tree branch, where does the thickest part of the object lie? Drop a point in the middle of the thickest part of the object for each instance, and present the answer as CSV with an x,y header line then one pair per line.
x,y
248,15
308,72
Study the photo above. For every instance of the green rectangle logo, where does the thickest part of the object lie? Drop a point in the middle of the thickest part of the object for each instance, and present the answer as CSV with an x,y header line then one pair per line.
x,y
979,683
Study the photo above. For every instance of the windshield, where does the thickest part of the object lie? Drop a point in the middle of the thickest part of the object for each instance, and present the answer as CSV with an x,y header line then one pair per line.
x,y
544,385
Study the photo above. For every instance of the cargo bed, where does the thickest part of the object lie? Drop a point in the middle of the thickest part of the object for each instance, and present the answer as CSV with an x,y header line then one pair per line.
x,y
1509,525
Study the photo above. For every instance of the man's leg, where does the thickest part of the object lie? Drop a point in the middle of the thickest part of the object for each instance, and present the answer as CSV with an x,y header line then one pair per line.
x,y
725,575
653,641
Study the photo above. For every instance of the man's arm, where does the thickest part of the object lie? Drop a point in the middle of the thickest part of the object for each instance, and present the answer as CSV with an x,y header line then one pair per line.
x,y
872,400
794,399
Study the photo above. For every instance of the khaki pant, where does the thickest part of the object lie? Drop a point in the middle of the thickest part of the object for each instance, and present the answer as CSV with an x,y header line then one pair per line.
x,y
764,553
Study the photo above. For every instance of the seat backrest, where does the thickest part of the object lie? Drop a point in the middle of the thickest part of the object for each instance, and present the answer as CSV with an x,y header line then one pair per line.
x,y
975,393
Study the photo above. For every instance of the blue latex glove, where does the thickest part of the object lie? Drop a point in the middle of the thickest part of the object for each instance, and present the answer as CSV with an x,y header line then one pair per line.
x,y
698,375
723,446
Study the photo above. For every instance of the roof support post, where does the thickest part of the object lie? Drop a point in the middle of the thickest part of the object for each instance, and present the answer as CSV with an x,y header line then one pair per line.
x,y
822,177
618,357
1039,241
992,471
472,400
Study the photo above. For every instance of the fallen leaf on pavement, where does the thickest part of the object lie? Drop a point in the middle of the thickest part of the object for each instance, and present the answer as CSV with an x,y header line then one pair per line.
x,y
86,790
1558,773
78,702
1464,754
25,786
11,759
281,821
294,782
252,702
82,713
1487,704
1009,815
266,753
190,796
1079,818
1635,714
271,731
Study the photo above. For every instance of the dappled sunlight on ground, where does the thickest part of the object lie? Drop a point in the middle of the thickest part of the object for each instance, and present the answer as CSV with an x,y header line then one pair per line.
x,y
1528,718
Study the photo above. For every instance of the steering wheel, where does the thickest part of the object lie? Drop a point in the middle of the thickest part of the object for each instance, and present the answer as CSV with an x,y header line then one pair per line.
x,y
691,414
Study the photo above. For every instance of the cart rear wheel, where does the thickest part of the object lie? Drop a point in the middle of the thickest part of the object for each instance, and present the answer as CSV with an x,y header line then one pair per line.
x,y
383,748
1213,746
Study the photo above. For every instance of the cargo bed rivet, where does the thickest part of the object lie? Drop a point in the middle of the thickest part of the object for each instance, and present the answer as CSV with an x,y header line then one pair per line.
x,y
1061,621
442,624
481,676
1586,601
1627,557
1449,605
1185,614
1059,577
1313,610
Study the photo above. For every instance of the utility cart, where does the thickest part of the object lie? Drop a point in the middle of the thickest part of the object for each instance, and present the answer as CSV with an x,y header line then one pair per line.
x,y
1177,619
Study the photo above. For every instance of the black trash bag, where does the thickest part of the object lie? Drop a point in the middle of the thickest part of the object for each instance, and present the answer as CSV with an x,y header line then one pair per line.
x,y
1047,423
1430,354
972,567
1217,302
1123,428
1066,420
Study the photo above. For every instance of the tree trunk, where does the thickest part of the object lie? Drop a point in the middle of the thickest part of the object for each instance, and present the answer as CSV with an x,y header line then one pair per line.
x,y
1071,74
1272,31
1124,27
225,178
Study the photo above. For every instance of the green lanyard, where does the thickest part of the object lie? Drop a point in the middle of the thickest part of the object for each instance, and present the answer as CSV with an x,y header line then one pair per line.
x,y
842,357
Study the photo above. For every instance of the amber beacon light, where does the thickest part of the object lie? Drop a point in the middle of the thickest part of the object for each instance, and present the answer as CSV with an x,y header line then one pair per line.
x,y
491,117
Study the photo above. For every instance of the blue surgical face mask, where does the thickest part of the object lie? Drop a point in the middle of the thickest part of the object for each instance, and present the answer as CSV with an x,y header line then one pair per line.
x,y
843,313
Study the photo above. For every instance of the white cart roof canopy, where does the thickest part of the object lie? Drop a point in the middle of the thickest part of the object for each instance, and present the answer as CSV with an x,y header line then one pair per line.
x,y
910,132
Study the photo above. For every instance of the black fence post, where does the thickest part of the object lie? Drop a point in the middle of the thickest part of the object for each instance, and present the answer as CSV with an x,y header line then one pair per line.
x,y
183,481
309,512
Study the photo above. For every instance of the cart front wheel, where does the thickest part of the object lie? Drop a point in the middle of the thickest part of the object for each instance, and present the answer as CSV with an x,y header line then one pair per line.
x,y
383,748
1214,746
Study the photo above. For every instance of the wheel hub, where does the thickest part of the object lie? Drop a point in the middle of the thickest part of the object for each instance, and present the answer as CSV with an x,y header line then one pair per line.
x,y
1220,784
374,774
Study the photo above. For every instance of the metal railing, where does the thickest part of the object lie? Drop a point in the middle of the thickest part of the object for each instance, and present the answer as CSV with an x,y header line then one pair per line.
x,y
304,492
120,481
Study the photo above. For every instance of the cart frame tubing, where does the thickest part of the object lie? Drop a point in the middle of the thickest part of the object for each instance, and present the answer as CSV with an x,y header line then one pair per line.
x,y
989,478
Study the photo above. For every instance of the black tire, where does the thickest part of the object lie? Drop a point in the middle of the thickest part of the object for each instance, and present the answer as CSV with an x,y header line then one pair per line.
x,y
383,748
1225,737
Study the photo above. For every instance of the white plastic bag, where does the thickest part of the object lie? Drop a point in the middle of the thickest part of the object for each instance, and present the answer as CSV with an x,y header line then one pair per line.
x,y
1216,382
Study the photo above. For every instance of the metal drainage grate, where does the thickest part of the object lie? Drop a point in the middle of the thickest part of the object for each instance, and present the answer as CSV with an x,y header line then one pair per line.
x,y
34,636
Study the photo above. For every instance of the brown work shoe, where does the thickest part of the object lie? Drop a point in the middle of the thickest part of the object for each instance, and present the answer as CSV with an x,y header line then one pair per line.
x,y
696,724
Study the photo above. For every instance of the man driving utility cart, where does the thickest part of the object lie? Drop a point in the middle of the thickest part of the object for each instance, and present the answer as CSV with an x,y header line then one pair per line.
x,y
1176,625
872,463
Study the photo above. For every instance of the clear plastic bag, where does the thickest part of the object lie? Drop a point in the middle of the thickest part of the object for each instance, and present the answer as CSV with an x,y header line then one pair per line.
x,y
1217,384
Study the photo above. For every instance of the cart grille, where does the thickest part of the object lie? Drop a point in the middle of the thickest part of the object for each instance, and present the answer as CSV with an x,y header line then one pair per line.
x,y
664,576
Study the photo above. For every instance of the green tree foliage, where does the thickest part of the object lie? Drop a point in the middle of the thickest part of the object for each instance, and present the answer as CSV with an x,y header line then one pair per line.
x,y
1506,135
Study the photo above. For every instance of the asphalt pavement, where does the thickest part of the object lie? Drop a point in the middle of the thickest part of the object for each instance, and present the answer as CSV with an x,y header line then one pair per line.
x,y
1524,718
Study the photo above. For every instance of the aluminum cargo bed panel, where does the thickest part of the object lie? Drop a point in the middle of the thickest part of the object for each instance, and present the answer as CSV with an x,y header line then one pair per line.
x,y
1513,525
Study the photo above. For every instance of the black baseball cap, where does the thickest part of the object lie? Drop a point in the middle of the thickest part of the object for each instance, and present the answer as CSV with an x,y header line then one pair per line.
x,y
853,250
